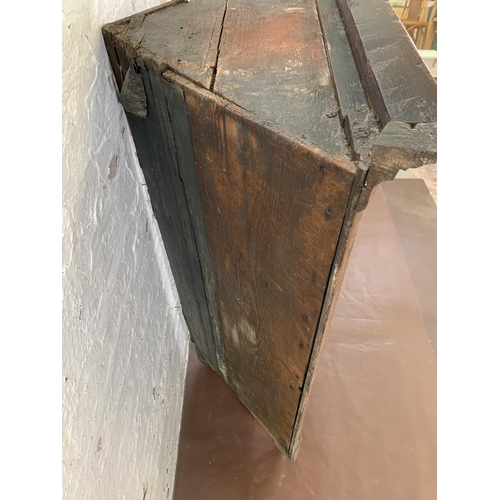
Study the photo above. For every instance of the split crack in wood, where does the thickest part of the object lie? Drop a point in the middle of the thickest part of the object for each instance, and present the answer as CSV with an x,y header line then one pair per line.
x,y
214,74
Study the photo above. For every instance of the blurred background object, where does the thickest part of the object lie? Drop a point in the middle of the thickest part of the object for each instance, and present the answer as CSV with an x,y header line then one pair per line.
x,y
419,17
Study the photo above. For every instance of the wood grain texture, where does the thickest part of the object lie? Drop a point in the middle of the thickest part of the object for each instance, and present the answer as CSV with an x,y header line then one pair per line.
x,y
180,36
257,126
341,258
187,172
133,96
273,214
157,153
193,31
272,62
399,147
359,122
115,37
397,81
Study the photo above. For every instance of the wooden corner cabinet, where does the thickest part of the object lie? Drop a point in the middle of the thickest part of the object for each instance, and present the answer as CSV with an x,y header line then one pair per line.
x,y
262,129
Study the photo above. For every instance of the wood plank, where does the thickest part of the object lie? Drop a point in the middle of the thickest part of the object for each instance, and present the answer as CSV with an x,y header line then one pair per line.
x,y
271,256
187,172
399,147
157,155
193,35
133,96
359,122
341,258
112,32
399,84
403,146
184,38
272,62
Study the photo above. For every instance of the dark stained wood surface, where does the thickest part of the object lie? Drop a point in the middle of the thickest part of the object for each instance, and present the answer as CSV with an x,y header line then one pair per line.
x,y
257,126
399,147
398,83
133,96
406,146
168,198
275,49
184,38
117,34
360,123
271,232
187,172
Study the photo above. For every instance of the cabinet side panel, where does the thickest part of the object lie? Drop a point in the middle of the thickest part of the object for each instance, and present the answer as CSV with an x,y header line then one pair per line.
x,y
158,157
273,212
341,259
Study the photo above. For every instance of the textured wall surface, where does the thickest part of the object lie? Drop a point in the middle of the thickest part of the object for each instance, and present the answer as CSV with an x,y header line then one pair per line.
x,y
125,342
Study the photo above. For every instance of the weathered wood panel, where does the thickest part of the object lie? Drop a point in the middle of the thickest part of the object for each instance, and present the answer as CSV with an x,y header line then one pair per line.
x,y
332,292
276,50
399,147
193,30
360,123
398,83
187,172
181,36
262,130
273,212
157,154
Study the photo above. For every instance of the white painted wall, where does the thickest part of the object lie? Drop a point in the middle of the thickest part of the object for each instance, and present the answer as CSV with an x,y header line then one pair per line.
x,y
125,342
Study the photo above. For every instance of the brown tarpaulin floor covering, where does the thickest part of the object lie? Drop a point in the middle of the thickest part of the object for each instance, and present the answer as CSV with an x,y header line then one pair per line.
x,y
370,426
